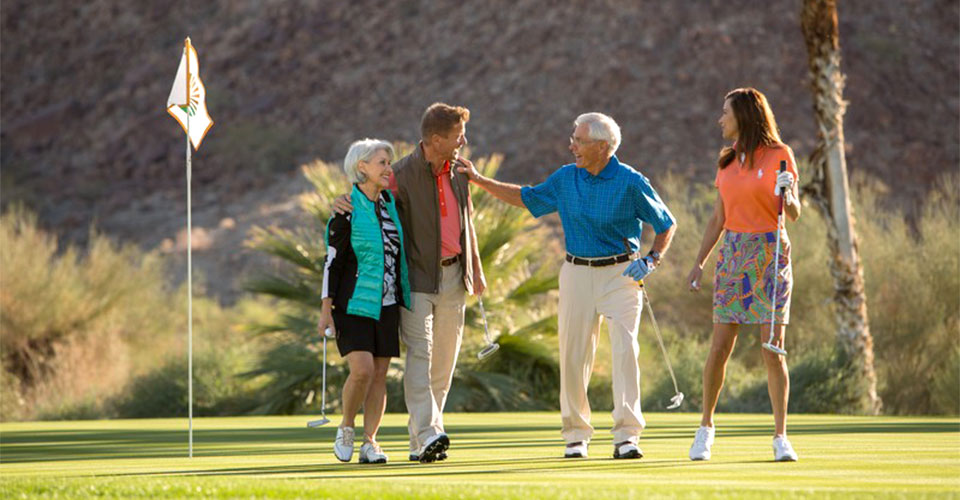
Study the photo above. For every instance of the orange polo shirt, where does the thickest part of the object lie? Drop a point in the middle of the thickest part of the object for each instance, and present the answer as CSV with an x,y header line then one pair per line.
x,y
449,212
449,215
749,204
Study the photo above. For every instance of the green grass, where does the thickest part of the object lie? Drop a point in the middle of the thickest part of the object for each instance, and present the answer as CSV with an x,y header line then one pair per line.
x,y
497,455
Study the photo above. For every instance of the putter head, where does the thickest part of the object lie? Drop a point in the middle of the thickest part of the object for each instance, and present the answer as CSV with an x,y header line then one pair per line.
x,y
488,351
772,348
676,401
317,423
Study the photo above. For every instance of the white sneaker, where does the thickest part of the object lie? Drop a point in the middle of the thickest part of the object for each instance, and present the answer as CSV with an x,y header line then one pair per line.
x,y
343,445
576,450
783,450
370,453
700,450
627,449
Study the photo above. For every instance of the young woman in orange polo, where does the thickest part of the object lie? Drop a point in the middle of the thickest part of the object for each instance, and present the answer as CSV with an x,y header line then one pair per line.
x,y
752,276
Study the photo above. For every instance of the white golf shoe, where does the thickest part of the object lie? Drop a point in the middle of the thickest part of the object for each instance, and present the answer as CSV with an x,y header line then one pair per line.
x,y
370,453
576,450
343,445
700,450
783,450
627,449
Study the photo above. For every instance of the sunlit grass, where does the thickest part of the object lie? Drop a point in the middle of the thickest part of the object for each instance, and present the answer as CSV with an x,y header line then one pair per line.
x,y
494,455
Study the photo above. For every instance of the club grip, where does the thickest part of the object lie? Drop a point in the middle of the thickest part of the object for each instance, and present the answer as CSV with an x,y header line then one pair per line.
x,y
783,168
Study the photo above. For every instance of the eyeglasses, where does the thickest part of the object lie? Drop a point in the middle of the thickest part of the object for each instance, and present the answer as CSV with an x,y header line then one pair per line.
x,y
580,142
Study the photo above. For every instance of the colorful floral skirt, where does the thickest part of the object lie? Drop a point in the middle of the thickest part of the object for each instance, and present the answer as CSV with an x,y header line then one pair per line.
x,y
744,280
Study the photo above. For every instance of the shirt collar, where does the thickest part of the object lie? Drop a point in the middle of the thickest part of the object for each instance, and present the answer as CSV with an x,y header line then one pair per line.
x,y
608,172
422,158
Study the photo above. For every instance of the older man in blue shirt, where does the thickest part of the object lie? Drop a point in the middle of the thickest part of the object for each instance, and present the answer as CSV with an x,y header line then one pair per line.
x,y
601,202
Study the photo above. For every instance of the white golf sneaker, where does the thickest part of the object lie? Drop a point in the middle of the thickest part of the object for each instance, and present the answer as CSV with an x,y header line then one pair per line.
x,y
783,450
370,453
343,445
627,449
700,450
576,450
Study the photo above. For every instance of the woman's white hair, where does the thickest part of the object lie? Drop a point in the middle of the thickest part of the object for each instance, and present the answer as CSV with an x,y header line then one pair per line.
x,y
602,128
362,150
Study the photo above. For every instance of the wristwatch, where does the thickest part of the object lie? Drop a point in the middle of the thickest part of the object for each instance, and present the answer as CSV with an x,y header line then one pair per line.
x,y
655,255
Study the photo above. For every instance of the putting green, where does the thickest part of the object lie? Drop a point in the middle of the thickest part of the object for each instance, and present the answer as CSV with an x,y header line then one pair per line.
x,y
493,455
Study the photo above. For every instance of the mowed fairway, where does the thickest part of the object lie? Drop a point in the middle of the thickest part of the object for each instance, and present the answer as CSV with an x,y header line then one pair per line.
x,y
495,455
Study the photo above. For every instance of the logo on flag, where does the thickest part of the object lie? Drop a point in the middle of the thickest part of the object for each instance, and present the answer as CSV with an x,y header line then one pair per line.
x,y
187,101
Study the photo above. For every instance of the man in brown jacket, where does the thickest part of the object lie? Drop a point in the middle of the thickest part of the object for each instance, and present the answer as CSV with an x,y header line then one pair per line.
x,y
433,201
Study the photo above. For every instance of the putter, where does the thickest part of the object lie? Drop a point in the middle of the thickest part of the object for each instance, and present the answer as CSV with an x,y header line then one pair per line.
x,y
769,345
677,398
323,387
492,346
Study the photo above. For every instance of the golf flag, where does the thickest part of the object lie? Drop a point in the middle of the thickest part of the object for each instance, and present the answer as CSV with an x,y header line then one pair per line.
x,y
187,101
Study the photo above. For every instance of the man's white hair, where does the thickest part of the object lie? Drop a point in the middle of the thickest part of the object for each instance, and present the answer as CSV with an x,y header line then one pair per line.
x,y
362,150
602,128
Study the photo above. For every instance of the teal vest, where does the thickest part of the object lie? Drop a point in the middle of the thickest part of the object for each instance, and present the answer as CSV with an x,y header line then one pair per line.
x,y
366,238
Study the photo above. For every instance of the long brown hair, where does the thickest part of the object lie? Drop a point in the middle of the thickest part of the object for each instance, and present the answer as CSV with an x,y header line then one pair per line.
x,y
755,122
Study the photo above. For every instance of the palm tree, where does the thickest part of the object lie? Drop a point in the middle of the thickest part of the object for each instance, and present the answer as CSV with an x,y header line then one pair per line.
x,y
517,299
829,192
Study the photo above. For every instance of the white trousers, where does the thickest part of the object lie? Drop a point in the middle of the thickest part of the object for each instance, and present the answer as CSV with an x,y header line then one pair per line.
x,y
588,294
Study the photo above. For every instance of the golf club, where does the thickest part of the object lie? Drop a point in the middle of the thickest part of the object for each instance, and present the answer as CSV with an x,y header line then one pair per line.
x,y
323,387
769,345
677,398
492,346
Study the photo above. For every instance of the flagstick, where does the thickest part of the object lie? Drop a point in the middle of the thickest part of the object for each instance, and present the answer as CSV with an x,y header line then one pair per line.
x,y
189,270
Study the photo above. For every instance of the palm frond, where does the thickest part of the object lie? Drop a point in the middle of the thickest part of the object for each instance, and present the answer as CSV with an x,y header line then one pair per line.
x,y
279,287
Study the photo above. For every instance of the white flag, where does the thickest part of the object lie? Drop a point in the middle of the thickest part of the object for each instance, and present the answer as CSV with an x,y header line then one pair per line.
x,y
188,96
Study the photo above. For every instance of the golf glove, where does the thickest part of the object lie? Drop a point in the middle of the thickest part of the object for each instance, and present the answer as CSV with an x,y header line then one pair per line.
x,y
784,181
640,268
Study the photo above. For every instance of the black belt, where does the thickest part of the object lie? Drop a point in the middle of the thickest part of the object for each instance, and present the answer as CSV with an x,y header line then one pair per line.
x,y
449,261
609,261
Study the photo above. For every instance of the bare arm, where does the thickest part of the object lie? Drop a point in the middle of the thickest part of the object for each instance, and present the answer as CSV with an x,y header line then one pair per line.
x,y
503,191
662,241
791,204
711,235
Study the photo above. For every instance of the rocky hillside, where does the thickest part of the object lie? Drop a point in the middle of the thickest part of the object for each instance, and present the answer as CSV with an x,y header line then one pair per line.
x,y
85,137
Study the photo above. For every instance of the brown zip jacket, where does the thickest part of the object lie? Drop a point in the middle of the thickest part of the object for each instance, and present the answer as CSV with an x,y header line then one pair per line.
x,y
418,204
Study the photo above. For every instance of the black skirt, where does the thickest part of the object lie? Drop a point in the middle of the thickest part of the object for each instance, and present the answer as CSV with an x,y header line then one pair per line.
x,y
358,333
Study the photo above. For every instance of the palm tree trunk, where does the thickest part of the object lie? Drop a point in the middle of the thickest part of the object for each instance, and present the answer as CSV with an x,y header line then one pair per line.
x,y
829,191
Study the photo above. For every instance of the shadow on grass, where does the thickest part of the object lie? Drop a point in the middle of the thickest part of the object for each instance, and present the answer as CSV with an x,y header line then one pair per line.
x,y
531,465
58,445
109,444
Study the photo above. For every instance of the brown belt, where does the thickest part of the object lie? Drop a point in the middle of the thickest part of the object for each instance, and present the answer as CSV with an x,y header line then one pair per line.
x,y
449,261
609,261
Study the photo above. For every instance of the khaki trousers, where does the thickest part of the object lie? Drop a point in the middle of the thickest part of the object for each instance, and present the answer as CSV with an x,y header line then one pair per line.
x,y
432,331
588,294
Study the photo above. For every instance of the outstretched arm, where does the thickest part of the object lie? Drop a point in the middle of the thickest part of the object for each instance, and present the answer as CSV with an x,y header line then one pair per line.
x,y
503,191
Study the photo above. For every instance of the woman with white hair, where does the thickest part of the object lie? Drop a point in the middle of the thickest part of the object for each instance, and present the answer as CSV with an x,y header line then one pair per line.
x,y
364,284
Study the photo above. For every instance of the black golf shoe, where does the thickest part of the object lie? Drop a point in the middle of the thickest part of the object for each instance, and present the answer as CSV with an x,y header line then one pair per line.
x,y
435,446
416,458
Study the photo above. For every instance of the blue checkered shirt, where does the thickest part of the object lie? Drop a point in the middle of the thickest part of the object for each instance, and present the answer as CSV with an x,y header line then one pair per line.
x,y
598,211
